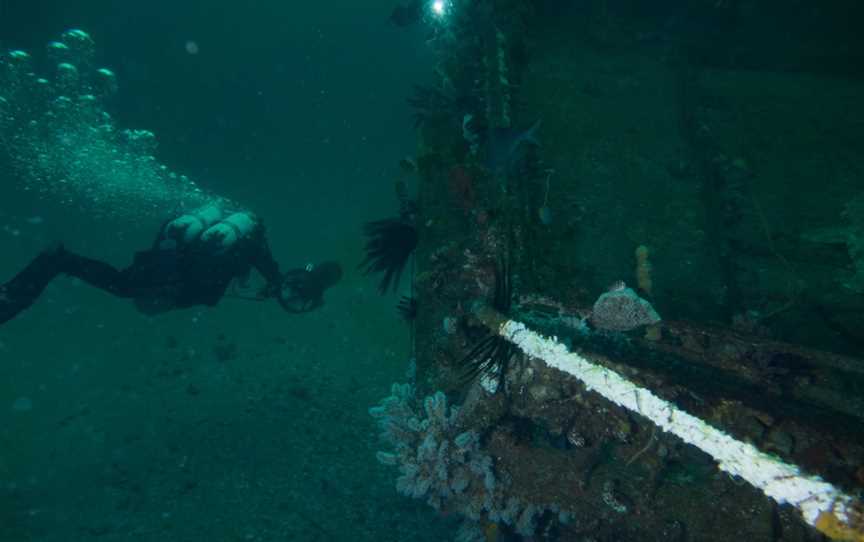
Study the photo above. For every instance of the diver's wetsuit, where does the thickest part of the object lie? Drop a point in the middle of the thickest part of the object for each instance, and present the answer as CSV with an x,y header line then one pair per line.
x,y
170,275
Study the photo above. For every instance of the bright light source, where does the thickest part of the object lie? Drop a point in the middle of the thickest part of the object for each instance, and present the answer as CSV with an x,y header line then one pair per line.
x,y
438,7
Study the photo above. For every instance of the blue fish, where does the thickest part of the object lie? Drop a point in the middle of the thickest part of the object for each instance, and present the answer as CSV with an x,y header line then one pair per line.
x,y
504,145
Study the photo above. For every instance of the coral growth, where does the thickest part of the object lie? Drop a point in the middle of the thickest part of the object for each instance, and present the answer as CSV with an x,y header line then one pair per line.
x,y
437,462
445,464
621,309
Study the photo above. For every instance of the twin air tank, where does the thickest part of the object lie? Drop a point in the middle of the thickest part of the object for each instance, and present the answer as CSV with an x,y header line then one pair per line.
x,y
211,225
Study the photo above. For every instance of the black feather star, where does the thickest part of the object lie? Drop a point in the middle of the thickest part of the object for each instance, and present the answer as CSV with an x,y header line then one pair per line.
x,y
390,243
407,308
493,353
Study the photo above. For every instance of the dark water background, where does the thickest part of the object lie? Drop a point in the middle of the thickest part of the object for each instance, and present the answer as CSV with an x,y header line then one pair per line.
x,y
239,423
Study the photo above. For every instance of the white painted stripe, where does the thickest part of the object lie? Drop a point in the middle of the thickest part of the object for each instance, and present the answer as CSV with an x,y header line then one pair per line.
x,y
783,482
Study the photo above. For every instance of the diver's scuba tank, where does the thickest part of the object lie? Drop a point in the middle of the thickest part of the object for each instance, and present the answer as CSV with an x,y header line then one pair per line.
x,y
210,225
225,233
187,228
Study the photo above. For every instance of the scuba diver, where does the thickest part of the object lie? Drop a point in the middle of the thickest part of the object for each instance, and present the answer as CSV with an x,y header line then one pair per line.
x,y
193,260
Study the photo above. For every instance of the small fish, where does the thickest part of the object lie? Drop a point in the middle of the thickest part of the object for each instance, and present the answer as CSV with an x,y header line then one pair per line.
x,y
504,145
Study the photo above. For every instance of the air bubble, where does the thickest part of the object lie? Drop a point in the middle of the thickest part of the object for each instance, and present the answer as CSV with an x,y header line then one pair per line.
x,y
67,77
17,65
40,93
58,52
81,46
64,144
106,82
75,34
63,102
19,56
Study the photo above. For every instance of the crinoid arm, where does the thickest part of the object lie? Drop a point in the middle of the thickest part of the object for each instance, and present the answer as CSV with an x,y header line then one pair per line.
x,y
390,243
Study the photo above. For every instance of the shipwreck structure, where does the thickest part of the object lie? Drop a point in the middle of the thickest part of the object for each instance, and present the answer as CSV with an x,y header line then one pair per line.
x,y
708,173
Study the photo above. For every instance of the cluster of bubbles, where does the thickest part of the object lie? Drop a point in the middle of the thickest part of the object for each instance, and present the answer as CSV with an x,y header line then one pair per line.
x,y
62,142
